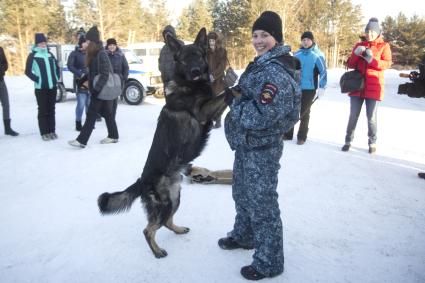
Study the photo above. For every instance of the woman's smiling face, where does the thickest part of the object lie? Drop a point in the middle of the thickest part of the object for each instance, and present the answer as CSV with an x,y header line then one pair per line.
x,y
262,41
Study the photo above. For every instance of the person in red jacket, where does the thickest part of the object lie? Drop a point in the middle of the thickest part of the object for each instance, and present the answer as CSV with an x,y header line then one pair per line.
x,y
371,57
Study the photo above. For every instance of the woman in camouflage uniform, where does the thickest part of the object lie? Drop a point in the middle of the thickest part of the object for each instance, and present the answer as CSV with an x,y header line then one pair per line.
x,y
268,106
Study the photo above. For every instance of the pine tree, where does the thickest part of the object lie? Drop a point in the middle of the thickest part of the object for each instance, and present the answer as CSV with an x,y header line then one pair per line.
x,y
193,18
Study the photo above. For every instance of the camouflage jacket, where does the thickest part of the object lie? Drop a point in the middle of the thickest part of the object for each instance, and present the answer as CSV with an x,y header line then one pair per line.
x,y
269,104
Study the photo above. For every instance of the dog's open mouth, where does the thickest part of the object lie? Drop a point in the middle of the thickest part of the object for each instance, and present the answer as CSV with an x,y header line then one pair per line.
x,y
197,78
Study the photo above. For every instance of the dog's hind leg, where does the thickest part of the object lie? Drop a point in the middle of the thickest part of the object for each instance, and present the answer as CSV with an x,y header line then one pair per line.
x,y
176,229
175,201
150,232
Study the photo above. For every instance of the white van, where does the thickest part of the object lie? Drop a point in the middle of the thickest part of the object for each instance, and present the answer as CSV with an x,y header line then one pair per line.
x,y
141,80
148,52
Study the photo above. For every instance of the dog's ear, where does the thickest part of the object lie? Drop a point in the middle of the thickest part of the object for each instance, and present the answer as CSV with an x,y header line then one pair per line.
x,y
173,43
201,39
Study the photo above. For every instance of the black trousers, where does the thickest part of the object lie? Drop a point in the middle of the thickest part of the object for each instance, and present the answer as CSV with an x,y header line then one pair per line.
x,y
105,109
307,97
46,101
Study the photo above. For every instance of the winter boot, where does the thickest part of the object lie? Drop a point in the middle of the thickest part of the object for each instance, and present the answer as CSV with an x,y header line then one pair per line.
x,y
229,243
372,148
421,175
46,137
249,272
346,147
78,126
8,130
53,136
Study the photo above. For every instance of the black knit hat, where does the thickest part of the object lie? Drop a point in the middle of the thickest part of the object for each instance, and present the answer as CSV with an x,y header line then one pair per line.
x,y
40,37
93,34
270,22
81,40
307,34
111,41
373,24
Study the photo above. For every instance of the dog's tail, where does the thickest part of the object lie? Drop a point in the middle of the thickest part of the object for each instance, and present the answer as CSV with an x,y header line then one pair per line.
x,y
119,201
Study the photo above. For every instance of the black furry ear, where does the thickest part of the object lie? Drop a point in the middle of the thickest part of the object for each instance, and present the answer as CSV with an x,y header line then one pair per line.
x,y
201,38
173,43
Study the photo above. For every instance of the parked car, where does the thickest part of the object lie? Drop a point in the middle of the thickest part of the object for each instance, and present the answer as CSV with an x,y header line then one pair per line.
x,y
141,81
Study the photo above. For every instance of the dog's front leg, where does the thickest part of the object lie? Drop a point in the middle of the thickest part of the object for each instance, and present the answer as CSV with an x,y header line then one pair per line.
x,y
212,109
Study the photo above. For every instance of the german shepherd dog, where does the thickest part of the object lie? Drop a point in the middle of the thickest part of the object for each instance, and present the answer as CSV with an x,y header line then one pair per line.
x,y
181,134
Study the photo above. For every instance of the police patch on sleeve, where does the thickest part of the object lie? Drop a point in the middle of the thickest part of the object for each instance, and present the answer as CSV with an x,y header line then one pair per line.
x,y
268,93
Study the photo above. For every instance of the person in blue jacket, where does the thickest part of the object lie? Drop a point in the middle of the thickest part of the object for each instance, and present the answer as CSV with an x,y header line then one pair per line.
x,y
267,106
77,65
313,66
43,69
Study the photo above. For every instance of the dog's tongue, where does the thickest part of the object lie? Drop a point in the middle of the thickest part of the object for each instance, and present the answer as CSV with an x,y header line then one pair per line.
x,y
196,78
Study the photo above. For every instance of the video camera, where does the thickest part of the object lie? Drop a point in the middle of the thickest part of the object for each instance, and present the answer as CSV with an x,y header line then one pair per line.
x,y
416,88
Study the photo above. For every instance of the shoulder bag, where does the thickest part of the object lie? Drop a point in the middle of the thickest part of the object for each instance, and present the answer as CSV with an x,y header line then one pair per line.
x,y
351,81
112,88
230,76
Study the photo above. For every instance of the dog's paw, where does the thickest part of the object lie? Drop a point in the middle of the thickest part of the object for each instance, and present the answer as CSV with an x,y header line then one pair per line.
x,y
182,230
160,253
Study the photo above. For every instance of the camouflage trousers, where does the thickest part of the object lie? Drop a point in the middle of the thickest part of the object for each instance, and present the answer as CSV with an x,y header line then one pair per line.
x,y
257,221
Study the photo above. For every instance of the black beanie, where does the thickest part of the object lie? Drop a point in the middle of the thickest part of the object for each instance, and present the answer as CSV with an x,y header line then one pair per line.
x,y
81,40
93,34
111,41
307,34
373,24
270,22
40,37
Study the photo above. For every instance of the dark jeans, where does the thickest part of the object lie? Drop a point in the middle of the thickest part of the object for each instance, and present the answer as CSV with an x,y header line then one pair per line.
x,y
46,100
372,119
114,107
105,109
307,97
4,99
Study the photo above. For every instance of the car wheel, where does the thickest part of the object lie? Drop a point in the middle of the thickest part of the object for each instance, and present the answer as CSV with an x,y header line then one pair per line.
x,y
60,93
133,93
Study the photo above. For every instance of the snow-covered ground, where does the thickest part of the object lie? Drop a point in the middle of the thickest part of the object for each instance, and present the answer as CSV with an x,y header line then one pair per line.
x,y
348,217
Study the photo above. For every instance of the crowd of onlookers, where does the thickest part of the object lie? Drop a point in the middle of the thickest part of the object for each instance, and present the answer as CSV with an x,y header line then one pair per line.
x,y
276,90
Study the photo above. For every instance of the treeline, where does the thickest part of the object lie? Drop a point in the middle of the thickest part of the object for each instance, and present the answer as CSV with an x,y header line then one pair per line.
x,y
336,24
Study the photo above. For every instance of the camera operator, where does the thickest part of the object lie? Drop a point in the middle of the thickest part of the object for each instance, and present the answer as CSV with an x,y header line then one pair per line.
x,y
415,89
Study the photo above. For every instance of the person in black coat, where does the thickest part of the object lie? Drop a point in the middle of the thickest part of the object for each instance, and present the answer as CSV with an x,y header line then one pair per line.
x,y
98,64
119,64
77,66
4,95
166,57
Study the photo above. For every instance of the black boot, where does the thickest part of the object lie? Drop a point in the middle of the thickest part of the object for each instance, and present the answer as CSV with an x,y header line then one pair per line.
x,y
8,130
346,147
229,243
421,175
78,126
249,272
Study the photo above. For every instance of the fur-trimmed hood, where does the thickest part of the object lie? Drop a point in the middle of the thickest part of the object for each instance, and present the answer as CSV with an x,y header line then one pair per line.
x,y
218,38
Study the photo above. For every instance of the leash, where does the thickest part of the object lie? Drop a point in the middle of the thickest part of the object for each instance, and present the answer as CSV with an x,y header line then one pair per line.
x,y
308,109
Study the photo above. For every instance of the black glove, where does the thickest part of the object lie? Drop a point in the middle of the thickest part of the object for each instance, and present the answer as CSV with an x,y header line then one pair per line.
x,y
81,80
228,96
